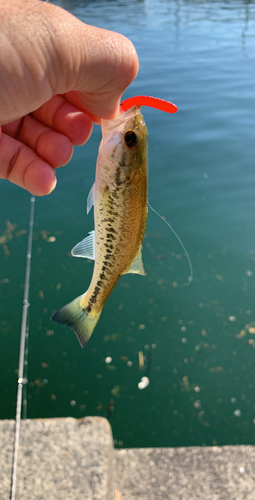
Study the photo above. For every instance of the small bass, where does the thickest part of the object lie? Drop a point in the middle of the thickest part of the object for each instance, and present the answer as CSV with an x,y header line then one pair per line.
x,y
120,199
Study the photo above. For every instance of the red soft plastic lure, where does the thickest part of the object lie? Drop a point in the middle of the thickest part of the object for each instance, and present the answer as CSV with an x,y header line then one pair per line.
x,y
152,102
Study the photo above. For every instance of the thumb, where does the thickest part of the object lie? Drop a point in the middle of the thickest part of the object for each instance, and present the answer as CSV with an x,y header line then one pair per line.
x,y
47,51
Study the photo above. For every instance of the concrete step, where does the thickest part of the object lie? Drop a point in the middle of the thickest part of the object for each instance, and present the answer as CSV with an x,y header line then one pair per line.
x,y
68,459
195,473
59,459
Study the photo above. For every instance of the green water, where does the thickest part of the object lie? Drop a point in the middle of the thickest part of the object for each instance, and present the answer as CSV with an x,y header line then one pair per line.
x,y
201,56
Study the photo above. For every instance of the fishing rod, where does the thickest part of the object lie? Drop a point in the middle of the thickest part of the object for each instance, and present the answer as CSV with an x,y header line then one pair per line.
x,y
22,352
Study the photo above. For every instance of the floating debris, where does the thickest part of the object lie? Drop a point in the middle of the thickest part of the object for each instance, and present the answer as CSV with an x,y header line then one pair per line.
x,y
219,277
232,318
108,360
142,327
197,404
116,390
7,236
130,363
141,360
49,333
41,294
216,369
51,239
144,382
124,358
4,281
237,413
21,232
241,334
44,365
110,409
73,402
185,383
110,367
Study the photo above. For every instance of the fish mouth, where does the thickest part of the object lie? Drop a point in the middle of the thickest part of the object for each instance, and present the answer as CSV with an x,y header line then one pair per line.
x,y
122,118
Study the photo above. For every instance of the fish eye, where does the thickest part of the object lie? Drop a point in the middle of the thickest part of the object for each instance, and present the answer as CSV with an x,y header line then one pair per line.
x,y
130,139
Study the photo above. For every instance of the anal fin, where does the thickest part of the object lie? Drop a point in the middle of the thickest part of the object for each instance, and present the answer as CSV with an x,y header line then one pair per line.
x,y
137,265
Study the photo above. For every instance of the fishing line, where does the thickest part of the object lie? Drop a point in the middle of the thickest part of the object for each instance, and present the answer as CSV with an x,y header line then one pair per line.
x,y
190,278
23,350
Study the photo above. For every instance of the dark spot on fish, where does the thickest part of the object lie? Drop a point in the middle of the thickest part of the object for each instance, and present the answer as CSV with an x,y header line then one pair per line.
x,y
118,181
123,162
113,151
109,235
93,298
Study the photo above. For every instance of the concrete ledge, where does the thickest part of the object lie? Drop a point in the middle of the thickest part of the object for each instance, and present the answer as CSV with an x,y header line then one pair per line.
x,y
195,473
68,459
58,459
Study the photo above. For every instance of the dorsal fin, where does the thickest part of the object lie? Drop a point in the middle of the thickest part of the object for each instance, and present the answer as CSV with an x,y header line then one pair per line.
x,y
91,199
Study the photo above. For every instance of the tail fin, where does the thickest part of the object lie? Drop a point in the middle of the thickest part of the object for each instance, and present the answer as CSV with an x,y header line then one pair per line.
x,y
76,317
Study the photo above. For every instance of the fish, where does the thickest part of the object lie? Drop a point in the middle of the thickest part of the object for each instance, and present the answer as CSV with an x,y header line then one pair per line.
x,y
120,199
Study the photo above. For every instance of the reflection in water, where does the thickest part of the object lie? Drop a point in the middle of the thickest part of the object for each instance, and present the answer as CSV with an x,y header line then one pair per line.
x,y
177,13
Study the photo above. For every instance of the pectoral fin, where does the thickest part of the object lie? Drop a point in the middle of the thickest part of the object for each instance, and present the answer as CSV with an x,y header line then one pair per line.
x,y
137,265
86,247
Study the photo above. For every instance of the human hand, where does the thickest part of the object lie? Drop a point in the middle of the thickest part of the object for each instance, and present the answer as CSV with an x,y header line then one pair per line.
x,y
58,76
